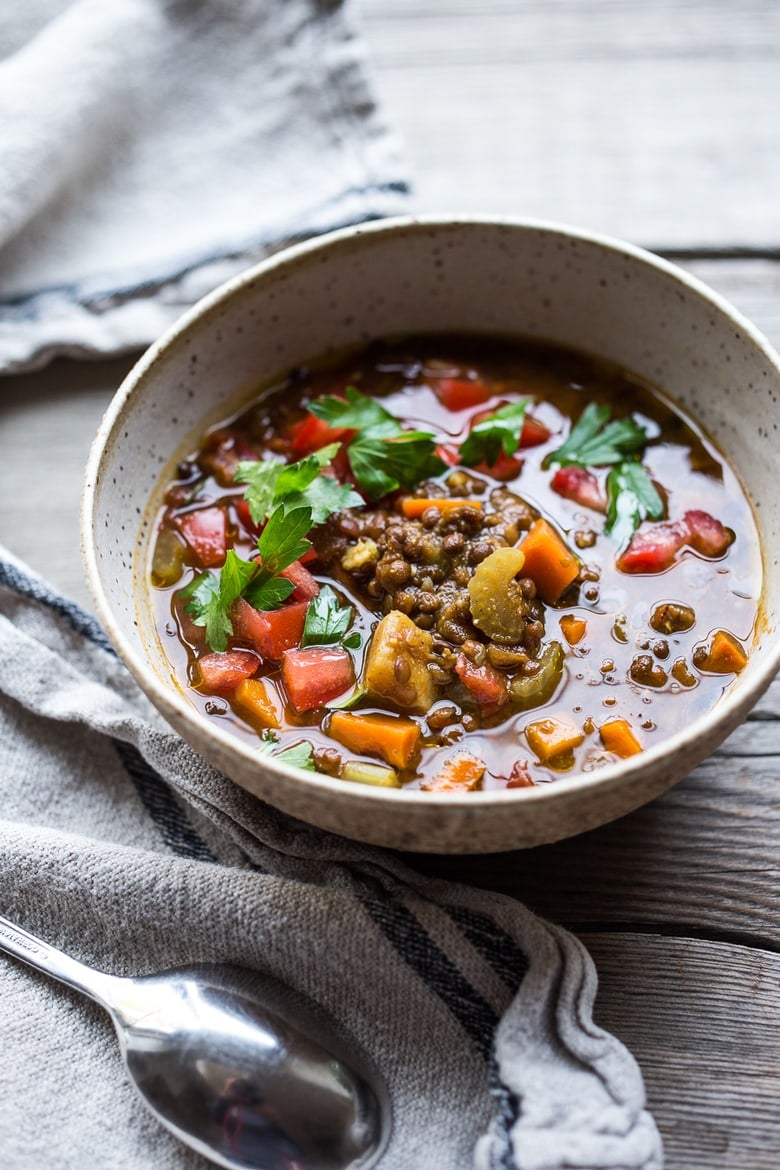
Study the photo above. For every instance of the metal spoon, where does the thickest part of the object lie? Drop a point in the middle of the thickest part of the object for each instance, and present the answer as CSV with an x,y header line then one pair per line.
x,y
237,1065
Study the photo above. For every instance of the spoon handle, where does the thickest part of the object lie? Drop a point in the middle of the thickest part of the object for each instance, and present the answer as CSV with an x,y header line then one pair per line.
x,y
39,954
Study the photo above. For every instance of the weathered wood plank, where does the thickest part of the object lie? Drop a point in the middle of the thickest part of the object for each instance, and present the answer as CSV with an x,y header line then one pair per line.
x,y
703,858
701,1019
653,122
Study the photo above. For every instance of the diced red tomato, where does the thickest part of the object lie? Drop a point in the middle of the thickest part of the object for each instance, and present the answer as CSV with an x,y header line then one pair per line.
x,y
315,675
222,453
655,548
487,686
708,536
520,776
581,486
245,518
305,585
205,532
506,467
533,432
270,632
460,393
448,455
223,672
311,433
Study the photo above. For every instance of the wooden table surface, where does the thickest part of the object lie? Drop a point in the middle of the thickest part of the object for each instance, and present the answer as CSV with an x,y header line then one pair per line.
x,y
657,122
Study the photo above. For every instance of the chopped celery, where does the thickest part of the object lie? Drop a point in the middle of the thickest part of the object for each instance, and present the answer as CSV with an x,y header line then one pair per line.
x,y
376,774
533,691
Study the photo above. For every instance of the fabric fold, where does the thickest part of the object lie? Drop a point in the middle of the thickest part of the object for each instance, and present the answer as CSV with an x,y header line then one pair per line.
x,y
154,148
123,847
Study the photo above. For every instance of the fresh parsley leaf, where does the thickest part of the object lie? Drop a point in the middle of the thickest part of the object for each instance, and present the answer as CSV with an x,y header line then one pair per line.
x,y
631,498
300,755
382,455
268,593
595,442
324,495
261,477
501,430
295,485
282,541
356,412
209,598
382,465
352,641
326,619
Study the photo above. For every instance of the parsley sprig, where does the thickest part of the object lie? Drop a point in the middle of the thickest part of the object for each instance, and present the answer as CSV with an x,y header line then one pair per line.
x,y
595,442
382,455
299,755
288,486
631,498
499,431
327,622
209,598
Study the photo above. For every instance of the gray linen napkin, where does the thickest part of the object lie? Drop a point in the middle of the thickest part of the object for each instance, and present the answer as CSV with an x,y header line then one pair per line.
x,y
121,846
150,149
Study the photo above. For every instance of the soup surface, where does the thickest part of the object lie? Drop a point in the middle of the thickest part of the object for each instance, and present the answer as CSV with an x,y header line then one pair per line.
x,y
456,564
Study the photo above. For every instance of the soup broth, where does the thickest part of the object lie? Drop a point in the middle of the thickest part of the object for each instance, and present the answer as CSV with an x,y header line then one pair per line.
x,y
456,564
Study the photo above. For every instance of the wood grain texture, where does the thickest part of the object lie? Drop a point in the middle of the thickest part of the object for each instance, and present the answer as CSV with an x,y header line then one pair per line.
x,y
701,1018
654,122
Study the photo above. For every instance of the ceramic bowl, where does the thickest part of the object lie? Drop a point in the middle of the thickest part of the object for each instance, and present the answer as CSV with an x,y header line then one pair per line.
x,y
396,276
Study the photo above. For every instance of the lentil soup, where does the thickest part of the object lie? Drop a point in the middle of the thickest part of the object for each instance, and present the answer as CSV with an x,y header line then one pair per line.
x,y
456,564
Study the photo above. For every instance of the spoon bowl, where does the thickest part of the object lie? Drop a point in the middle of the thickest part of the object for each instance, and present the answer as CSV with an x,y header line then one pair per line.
x,y
237,1065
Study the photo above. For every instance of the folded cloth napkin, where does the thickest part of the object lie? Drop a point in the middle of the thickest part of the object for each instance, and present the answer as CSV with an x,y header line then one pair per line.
x,y
152,148
124,848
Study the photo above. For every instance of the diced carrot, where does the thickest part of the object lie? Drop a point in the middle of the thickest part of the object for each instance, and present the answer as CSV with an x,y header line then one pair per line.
x,y
724,656
548,562
223,672
460,393
315,675
617,736
395,738
487,686
460,773
269,632
205,531
551,738
414,506
573,628
253,703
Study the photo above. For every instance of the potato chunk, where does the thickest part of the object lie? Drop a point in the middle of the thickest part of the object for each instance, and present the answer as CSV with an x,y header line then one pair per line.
x,y
397,663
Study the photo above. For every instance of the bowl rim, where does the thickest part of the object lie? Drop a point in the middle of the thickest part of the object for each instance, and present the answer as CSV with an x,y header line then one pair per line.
x,y
728,711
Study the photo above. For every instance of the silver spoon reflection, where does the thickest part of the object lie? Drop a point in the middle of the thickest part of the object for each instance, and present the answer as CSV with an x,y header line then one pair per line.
x,y
237,1065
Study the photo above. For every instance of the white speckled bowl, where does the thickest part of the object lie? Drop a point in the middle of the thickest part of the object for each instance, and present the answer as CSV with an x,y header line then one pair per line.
x,y
396,276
